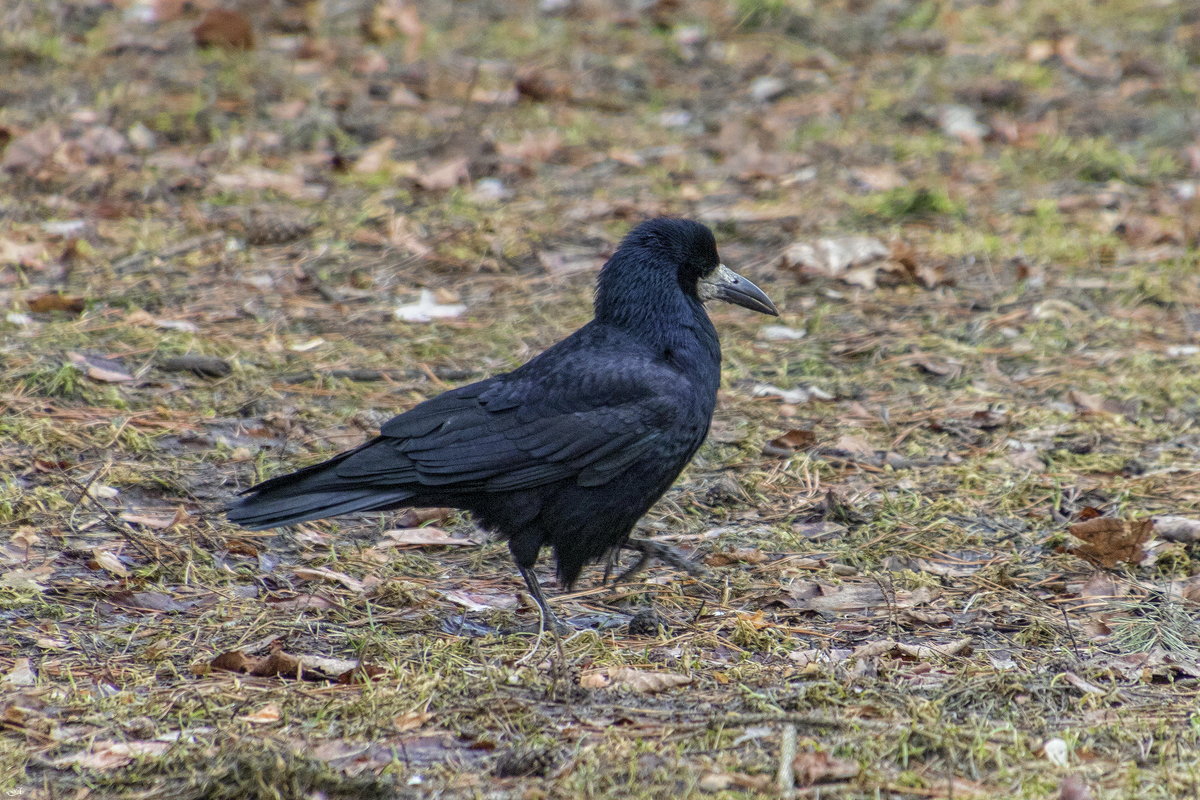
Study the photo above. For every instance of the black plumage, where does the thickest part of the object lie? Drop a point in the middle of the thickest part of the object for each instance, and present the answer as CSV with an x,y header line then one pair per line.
x,y
568,450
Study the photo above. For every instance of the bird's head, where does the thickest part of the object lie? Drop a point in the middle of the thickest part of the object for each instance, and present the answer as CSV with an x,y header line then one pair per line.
x,y
689,250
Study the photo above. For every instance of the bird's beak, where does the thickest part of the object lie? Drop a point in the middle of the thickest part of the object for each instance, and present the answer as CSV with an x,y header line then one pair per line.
x,y
725,284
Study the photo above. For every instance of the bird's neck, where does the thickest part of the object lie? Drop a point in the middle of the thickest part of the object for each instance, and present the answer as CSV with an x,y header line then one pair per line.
x,y
676,327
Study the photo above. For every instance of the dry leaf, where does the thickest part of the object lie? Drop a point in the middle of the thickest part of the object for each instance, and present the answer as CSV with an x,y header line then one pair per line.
x,y
392,19
249,178
790,442
156,521
56,301
267,714
1087,404
362,673
924,652
100,369
742,555
820,767
635,679
1079,683
277,663
810,596
30,151
1107,541
723,781
109,562
851,259
24,580
854,446
374,157
224,28
445,175
21,674
105,755
412,720
418,537
304,602
320,574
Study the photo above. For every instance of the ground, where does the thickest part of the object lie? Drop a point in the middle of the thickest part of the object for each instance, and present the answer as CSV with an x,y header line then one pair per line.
x,y
946,509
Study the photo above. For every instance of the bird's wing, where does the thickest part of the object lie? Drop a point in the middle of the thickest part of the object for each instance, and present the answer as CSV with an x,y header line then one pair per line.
x,y
529,428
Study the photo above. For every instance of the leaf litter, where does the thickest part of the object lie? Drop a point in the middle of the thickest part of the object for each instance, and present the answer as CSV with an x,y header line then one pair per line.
x,y
986,344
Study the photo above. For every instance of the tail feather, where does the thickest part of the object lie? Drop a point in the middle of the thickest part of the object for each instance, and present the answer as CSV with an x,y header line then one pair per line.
x,y
314,492
257,513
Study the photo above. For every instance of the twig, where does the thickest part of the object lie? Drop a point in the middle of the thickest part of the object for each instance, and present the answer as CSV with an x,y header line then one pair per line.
x,y
785,778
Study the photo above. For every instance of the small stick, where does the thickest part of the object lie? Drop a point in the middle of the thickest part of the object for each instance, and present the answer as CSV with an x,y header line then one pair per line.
x,y
785,778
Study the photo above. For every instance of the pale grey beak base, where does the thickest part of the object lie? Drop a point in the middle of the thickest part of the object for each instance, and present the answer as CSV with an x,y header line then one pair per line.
x,y
725,284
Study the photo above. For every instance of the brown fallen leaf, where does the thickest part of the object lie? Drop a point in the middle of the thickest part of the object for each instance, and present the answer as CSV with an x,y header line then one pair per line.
x,y
304,602
396,19
1091,404
1106,541
240,547
363,673
412,720
21,674
445,175
156,521
265,715
225,28
722,781
99,368
280,664
375,157
790,442
927,652
634,679
854,446
56,301
417,537
31,151
104,755
320,574
108,561
812,596
819,767
742,555
852,259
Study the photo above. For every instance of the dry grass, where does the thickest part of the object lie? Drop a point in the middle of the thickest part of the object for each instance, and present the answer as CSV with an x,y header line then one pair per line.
x,y
900,592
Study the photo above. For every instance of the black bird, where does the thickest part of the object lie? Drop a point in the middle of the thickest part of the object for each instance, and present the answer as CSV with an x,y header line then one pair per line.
x,y
570,449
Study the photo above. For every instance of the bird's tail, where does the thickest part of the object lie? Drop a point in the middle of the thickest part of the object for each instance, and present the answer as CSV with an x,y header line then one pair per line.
x,y
312,493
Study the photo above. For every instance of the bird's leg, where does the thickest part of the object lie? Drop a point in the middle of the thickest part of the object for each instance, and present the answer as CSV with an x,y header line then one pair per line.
x,y
548,620
656,550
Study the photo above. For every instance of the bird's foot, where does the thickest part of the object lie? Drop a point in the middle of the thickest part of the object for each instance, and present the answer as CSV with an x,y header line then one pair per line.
x,y
649,550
